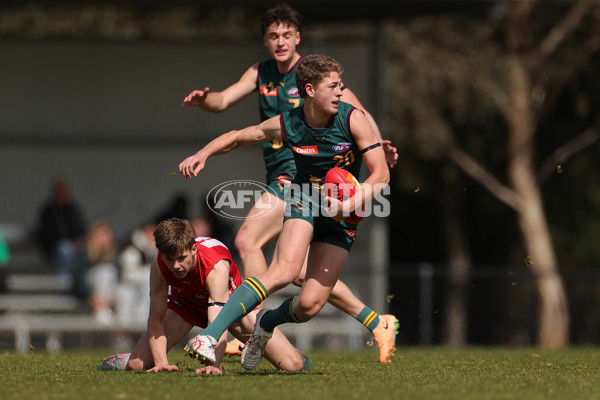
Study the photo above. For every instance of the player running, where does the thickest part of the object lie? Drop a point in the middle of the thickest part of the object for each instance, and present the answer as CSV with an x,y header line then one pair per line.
x,y
323,122
276,84
201,275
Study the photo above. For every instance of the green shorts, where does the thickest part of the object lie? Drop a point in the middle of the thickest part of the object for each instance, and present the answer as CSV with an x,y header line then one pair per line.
x,y
326,229
281,176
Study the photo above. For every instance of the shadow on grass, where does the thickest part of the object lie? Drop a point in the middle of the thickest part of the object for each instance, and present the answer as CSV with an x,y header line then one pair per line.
x,y
237,372
278,373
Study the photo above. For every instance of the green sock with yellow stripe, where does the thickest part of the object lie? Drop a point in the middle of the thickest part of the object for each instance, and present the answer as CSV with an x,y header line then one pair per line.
x,y
250,294
368,318
281,315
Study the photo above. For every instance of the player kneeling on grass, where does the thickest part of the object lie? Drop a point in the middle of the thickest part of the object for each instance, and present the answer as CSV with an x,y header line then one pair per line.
x,y
202,275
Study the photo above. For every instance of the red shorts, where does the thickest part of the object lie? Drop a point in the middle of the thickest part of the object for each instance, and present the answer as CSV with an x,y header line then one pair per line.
x,y
194,317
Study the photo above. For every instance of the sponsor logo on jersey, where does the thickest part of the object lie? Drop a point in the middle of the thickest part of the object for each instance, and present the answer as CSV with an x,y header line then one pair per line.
x,y
306,150
341,147
351,233
293,92
284,179
267,91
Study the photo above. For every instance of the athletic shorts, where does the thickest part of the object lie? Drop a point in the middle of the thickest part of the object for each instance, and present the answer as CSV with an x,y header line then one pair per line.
x,y
281,176
190,315
326,229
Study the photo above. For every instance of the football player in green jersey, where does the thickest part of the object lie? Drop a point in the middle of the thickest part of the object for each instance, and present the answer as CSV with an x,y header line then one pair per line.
x,y
323,115
274,79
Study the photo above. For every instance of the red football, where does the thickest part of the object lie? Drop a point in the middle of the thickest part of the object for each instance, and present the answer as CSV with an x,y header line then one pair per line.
x,y
341,184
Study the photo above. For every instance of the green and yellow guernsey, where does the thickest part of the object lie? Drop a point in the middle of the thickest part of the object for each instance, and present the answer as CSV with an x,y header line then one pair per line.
x,y
277,93
317,150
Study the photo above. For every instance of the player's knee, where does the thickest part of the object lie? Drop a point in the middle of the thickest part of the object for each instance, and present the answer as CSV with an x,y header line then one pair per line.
x,y
240,243
135,365
307,309
296,363
293,362
244,243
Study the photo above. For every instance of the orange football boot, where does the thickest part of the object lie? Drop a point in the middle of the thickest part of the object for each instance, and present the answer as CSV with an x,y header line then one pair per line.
x,y
385,335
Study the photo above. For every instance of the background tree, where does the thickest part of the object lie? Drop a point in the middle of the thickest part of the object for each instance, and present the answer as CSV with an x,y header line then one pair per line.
x,y
465,89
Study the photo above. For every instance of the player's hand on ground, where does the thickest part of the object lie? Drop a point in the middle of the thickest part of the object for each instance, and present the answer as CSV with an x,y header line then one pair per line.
x,y
192,165
196,98
163,368
210,370
391,153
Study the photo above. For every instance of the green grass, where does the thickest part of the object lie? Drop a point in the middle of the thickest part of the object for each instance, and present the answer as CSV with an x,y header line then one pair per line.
x,y
416,373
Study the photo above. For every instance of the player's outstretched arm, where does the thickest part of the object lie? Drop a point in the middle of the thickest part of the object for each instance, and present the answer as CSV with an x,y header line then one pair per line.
x,y
268,130
156,329
198,98
391,153
220,101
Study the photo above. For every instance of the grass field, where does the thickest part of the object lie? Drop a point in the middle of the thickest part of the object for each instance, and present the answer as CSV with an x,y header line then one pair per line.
x,y
415,373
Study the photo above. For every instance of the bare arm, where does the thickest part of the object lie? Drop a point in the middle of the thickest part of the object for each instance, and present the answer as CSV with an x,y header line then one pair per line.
x,y
156,319
391,153
220,101
217,283
375,160
268,130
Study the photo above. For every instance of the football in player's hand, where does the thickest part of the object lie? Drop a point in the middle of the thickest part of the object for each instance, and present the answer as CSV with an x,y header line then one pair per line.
x,y
341,184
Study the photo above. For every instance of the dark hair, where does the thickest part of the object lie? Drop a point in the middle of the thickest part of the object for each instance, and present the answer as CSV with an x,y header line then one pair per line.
x,y
313,69
174,236
281,14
